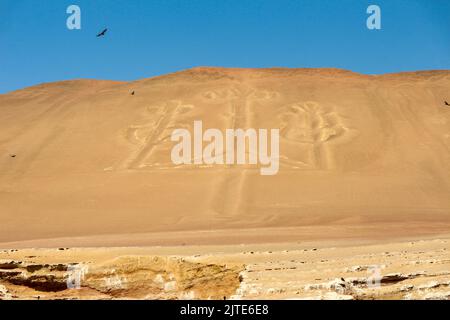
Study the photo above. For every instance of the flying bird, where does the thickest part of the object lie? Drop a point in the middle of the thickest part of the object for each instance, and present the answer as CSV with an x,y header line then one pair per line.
x,y
446,103
101,34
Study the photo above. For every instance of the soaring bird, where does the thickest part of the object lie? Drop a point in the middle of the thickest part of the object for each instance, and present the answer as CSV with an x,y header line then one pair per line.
x,y
446,103
101,34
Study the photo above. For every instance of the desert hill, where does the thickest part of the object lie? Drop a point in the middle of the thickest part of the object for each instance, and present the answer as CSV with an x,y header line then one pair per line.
x,y
86,158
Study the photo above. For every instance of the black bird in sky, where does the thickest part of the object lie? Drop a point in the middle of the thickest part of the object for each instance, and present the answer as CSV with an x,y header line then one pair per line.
x,y
446,103
101,34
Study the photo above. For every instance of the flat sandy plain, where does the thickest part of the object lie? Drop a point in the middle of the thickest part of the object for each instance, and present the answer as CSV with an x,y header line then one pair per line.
x,y
363,187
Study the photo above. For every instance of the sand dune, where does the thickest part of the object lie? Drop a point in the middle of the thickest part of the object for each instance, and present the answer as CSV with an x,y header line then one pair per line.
x,y
87,159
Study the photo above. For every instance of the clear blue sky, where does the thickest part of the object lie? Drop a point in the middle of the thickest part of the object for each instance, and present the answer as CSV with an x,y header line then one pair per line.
x,y
152,37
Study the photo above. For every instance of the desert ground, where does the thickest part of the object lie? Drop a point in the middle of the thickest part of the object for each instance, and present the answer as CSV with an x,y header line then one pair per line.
x,y
87,181
337,270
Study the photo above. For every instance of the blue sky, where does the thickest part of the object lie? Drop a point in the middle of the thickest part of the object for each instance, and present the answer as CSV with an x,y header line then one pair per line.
x,y
153,37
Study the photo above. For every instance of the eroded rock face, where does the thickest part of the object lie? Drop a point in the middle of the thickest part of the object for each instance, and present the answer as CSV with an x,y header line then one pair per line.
x,y
5,294
140,277
23,274
162,278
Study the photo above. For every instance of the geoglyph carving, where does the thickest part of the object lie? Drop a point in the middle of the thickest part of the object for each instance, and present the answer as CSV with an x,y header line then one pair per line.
x,y
307,130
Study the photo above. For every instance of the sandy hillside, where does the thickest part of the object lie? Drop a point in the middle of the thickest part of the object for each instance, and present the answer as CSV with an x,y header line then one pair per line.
x,y
361,156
